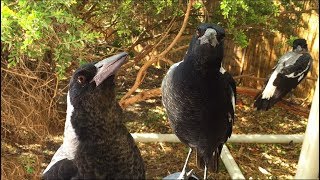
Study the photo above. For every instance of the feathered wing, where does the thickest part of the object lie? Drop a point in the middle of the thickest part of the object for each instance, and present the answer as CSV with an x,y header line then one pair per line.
x,y
179,101
230,89
233,96
299,68
286,76
63,169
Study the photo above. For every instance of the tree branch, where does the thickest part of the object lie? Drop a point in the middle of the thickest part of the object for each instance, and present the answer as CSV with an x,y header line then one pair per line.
x,y
143,69
152,93
141,96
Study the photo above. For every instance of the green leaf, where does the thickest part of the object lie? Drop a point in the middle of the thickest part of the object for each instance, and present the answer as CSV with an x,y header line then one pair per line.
x,y
291,39
29,169
197,5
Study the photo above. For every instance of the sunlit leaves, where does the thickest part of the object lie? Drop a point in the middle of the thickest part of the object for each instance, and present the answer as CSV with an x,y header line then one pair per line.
x,y
244,16
65,27
29,28
291,39
197,5
161,4
241,38
232,7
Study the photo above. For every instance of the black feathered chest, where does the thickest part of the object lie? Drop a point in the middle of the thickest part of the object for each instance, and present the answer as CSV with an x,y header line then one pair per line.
x,y
196,105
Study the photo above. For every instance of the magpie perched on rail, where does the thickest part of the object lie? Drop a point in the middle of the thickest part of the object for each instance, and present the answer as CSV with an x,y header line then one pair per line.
x,y
290,70
199,98
96,143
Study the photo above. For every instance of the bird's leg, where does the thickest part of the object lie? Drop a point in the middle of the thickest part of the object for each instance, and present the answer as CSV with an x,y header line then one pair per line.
x,y
205,171
183,174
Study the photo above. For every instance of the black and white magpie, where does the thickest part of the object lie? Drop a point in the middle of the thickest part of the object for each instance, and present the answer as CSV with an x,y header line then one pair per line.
x,y
96,143
199,98
290,70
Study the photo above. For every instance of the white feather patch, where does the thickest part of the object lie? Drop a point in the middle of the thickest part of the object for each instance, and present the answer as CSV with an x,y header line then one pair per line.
x,y
222,70
233,101
300,78
70,141
299,74
169,71
230,118
270,88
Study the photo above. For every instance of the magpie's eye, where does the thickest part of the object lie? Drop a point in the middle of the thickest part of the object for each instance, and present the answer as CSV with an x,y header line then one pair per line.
x,y
198,33
81,79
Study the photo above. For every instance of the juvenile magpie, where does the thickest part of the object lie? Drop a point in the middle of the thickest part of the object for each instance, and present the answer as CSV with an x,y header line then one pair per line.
x,y
96,143
199,98
290,70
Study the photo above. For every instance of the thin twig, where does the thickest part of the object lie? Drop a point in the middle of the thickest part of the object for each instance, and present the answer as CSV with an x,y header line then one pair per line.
x,y
23,75
143,69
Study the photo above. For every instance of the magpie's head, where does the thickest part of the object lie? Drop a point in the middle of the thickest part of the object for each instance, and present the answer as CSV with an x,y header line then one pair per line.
x,y
209,34
300,44
94,82
206,47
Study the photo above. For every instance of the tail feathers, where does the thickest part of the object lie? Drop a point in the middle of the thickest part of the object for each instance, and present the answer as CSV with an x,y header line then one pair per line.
x,y
265,104
212,162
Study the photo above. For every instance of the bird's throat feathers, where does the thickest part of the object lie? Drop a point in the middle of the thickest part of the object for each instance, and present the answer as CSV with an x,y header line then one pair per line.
x,y
201,63
204,57
95,121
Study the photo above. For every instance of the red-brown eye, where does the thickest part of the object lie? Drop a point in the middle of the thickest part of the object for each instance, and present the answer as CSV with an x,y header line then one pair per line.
x,y
81,79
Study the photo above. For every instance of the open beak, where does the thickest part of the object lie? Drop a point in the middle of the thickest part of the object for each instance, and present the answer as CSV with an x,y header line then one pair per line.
x,y
109,67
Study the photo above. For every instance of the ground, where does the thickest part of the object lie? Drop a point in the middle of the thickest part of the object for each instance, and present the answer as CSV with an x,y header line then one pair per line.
x,y
255,160
161,159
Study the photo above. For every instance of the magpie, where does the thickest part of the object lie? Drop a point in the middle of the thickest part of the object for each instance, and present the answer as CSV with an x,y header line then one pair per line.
x,y
199,98
96,143
290,70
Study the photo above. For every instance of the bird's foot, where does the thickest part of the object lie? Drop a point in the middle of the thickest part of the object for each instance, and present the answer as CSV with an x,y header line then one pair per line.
x,y
185,175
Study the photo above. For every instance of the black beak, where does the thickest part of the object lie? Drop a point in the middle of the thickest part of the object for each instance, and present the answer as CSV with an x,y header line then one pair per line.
x,y
109,67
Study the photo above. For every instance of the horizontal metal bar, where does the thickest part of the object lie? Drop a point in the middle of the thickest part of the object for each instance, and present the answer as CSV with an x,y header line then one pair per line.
x,y
235,138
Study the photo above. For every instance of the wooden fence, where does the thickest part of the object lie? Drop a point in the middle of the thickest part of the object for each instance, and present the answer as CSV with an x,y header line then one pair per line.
x,y
263,51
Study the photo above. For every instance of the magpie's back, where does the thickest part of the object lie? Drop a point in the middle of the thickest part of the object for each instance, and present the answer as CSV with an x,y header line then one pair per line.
x,y
290,70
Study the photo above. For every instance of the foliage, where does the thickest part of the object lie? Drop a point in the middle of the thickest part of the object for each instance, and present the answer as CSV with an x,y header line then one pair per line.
x,y
244,18
66,28
28,162
31,28
291,39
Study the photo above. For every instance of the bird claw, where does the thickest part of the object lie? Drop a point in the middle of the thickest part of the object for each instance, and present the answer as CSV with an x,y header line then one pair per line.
x,y
189,174
182,175
185,175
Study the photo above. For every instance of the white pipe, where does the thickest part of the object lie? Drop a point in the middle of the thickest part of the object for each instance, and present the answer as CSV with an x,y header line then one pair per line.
x,y
308,165
266,138
226,157
232,167
235,138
